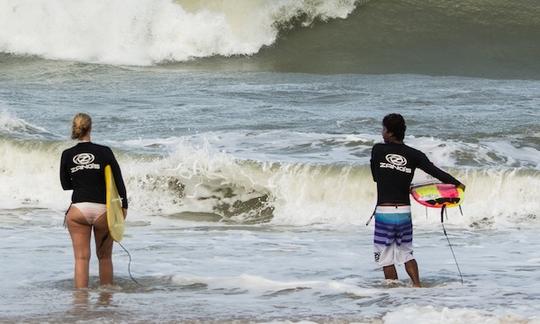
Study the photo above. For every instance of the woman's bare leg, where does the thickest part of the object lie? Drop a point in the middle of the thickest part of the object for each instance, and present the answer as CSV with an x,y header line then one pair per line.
x,y
80,232
104,245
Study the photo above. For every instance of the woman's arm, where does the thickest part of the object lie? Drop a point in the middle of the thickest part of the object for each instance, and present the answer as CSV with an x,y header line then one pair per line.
x,y
118,180
65,177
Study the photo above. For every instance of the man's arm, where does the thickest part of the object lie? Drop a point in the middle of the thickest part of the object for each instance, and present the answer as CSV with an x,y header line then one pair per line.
x,y
427,166
373,165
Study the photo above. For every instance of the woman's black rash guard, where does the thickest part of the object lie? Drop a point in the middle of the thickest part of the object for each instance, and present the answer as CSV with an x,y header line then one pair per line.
x,y
393,166
82,169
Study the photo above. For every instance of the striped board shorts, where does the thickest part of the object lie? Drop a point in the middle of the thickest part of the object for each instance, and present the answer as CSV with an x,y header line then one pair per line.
x,y
393,235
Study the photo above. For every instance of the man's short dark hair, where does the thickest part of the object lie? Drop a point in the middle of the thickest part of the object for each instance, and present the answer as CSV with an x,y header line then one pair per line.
x,y
395,124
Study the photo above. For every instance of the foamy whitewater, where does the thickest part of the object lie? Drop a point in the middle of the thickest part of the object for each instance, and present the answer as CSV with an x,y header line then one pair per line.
x,y
149,31
249,184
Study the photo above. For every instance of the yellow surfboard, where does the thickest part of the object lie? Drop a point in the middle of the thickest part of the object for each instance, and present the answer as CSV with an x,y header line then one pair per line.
x,y
115,215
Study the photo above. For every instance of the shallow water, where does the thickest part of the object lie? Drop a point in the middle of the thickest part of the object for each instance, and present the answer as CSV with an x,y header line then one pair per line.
x,y
207,271
249,192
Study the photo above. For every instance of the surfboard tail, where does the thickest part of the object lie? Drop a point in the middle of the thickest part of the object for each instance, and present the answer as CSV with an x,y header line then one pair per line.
x,y
115,214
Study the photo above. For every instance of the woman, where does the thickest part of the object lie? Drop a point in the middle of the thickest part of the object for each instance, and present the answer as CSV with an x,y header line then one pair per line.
x,y
82,170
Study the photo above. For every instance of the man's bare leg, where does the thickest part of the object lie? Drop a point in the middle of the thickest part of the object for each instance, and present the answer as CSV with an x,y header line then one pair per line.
x,y
412,269
390,272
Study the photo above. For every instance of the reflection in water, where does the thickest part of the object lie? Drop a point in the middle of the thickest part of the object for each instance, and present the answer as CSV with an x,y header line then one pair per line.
x,y
80,299
105,298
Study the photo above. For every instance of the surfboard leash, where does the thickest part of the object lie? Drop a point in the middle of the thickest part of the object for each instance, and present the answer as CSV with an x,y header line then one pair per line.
x,y
129,264
372,215
443,210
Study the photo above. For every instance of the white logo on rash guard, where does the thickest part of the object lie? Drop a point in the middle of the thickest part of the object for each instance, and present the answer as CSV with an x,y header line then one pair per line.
x,y
396,159
395,162
83,158
84,162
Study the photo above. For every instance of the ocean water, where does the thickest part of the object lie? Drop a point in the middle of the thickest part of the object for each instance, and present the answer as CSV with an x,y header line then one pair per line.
x,y
244,133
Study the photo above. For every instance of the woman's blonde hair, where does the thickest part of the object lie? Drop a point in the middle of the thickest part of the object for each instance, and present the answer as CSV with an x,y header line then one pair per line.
x,y
82,124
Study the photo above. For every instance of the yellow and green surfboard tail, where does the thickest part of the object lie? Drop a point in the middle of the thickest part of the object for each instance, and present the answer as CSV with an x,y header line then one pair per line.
x,y
115,215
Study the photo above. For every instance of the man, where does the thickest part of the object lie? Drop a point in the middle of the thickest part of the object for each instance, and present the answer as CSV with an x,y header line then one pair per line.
x,y
392,166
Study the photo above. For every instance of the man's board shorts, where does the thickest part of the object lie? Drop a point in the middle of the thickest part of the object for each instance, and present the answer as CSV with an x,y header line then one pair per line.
x,y
393,235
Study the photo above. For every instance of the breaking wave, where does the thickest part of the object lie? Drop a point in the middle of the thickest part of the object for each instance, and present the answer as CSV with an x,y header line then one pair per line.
x,y
146,32
464,37
200,184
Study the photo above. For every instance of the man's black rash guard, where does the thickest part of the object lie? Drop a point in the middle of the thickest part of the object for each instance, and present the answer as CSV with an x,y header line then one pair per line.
x,y
393,166
82,169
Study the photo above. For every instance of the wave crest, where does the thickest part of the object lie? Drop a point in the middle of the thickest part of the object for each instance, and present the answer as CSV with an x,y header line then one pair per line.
x,y
12,126
464,37
145,32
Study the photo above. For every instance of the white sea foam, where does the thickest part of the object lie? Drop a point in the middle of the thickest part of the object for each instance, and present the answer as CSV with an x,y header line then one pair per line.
x,y
198,174
302,194
430,314
259,284
144,32
199,179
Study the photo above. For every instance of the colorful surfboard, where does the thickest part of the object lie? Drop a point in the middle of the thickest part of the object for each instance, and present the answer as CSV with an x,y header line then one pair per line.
x,y
440,195
437,195
115,215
